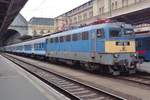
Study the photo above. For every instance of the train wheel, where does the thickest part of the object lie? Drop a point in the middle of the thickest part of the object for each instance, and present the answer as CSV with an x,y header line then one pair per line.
x,y
114,70
132,70
91,67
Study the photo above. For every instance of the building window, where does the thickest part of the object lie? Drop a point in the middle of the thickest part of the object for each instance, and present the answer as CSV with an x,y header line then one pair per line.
x,y
116,4
70,20
124,3
42,32
75,19
137,1
34,33
85,16
91,13
79,18
48,31
101,10
112,6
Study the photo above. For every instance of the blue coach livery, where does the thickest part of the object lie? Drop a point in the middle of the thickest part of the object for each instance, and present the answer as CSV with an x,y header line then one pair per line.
x,y
143,46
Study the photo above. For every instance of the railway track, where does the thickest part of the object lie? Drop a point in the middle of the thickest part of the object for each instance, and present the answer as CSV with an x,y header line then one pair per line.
x,y
71,88
139,79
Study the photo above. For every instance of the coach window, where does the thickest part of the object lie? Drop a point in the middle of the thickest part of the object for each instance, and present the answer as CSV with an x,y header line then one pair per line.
x,y
51,40
35,46
43,46
56,40
100,33
38,46
68,38
85,36
61,39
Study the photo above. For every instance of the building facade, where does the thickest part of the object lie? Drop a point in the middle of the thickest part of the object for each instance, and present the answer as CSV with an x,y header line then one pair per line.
x,y
75,16
41,26
96,9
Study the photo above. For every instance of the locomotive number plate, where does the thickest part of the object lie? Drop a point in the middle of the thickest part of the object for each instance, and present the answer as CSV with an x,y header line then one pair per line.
x,y
122,43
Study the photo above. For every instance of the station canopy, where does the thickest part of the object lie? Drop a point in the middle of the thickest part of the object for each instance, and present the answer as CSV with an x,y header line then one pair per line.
x,y
9,9
135,18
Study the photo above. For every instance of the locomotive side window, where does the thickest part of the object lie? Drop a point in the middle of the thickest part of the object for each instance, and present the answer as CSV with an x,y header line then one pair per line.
x,y
85,36
68,38
100,33
74,37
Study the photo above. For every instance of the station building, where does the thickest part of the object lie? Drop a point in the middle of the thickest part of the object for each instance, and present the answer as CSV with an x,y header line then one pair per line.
x,y
40,26
96,9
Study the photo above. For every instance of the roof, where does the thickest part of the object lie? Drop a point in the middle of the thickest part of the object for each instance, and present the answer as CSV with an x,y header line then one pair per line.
x,y
9,9
41,21
143,35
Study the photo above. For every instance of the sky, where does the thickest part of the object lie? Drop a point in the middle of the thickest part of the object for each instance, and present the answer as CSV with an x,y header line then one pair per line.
x,y
49,8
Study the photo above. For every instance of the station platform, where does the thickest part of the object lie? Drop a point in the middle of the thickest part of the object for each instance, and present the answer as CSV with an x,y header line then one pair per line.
x,y
145,67
17,84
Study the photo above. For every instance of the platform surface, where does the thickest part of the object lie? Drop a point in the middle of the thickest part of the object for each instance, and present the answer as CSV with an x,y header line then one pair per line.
x,y
145,67
15,86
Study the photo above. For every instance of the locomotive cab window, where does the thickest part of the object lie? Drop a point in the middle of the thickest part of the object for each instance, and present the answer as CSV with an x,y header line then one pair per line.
x,y
100,33
115,33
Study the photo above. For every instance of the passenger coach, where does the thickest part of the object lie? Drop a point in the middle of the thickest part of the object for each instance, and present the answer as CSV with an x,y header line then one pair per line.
x,y
143,46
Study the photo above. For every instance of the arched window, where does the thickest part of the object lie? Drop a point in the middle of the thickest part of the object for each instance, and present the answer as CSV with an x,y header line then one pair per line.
x,y
112,5
34,32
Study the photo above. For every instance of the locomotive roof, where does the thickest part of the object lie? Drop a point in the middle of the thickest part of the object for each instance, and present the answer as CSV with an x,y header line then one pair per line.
x,y
78,30
92,27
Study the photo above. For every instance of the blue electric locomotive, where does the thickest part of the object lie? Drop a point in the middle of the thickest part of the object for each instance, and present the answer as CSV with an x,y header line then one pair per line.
x,y
108,46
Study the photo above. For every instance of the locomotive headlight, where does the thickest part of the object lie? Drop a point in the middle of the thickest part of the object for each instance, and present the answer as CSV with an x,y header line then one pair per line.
x,y
116,56
134,55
